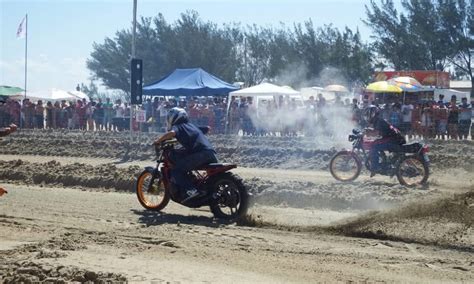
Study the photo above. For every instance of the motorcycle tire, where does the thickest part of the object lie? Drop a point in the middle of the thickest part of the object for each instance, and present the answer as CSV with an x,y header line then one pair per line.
x,y
347,156
146,192
228,191
402,171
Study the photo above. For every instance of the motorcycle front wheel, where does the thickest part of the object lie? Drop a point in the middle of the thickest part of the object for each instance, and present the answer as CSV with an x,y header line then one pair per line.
x,y
151,192
412,171
345,166
230,198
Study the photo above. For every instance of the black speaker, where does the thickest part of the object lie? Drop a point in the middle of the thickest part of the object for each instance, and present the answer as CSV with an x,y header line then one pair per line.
x,y
136,82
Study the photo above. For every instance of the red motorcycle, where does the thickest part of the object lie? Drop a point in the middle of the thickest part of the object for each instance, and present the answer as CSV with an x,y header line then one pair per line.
x,y
226,194
410,165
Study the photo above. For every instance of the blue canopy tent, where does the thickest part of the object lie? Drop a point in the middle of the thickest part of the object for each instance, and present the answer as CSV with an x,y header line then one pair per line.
x,y
189,82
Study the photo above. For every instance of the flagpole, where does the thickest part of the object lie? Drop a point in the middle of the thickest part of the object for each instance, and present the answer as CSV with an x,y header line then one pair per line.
x,y
26,51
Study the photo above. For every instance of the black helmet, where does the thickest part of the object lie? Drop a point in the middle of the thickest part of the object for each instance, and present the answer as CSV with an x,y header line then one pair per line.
x,y
175,116
370,113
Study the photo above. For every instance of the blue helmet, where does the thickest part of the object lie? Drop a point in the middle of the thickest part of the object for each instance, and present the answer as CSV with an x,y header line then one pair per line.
x,y
175,116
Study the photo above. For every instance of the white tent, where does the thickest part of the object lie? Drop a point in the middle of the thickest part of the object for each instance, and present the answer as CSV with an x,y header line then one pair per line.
x,y
265,91
50,95
450,92
79,95
328,95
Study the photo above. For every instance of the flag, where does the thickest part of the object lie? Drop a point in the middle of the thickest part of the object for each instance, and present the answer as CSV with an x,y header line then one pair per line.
x,y
21,32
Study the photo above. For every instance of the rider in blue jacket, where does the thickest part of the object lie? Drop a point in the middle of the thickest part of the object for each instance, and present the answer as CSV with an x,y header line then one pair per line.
x,y
197,150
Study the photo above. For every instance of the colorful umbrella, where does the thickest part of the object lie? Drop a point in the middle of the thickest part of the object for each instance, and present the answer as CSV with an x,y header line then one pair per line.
x,y
406,83
406,80
336,88
9,90
383,87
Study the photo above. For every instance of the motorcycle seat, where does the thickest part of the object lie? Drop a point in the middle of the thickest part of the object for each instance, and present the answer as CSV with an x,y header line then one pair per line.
x,y
412,147
216,166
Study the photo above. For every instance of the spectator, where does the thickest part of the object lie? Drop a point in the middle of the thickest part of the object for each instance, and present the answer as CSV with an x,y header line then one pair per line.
x,y
15,112
453,119
219,116
426,121
90,106
80,111
465,114
63,116
234,119
98,115
442,116
406,110
395,116
56,115
49,115
472,119
39,115
119,115
71,116
441,100
28,110
416,119
163,112
108,114
148,107
126,116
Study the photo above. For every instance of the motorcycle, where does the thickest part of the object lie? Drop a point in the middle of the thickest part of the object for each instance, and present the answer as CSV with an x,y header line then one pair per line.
x,y
410,165
226,194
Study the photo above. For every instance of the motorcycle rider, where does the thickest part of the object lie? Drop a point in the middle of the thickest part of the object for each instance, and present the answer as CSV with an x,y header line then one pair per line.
x,y
391,138
4,131
196,151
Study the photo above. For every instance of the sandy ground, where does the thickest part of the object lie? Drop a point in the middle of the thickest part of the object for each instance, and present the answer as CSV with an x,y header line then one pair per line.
x,y
75,218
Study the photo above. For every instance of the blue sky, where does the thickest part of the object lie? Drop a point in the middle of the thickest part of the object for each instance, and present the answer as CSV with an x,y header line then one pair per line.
x,y
61,33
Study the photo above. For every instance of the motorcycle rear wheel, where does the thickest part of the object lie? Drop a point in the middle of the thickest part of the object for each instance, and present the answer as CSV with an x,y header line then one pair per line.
x,y
230,198
151,196
412,171
345,166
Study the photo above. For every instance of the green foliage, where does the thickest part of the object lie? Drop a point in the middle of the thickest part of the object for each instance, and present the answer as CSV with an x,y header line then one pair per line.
x,y
251,54
431,35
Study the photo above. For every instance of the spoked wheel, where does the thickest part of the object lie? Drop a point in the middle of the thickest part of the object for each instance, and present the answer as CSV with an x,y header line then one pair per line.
x,y
151,192
345,166
412,171
230,197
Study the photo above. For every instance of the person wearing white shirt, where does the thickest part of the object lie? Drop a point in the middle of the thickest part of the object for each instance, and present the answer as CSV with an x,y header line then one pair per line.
x,y
407,110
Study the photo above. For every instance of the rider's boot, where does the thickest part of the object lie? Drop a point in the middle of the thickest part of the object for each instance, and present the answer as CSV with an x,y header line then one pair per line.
x,y
192,193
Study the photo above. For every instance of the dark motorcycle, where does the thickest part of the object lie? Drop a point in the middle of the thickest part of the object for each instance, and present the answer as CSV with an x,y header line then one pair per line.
x,y
410,165
226,194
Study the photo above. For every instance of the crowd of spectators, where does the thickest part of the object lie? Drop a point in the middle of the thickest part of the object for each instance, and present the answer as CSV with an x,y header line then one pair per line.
x,y
207,111
432,119
282,116
80,114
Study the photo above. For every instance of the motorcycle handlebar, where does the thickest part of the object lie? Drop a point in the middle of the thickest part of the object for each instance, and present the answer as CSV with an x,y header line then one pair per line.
x,y
166,143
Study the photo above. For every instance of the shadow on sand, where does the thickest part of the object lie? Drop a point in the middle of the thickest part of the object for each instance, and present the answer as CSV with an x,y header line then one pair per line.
x,y
151,218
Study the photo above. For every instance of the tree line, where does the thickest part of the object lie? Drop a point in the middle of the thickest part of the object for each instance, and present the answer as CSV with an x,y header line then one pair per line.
x,y
426,35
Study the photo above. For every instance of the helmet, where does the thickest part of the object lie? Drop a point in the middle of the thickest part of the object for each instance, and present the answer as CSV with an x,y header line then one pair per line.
x,y
175,116
370,113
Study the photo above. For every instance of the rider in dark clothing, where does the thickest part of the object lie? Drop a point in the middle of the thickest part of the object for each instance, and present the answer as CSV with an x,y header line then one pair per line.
x,y
197,150
390,141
